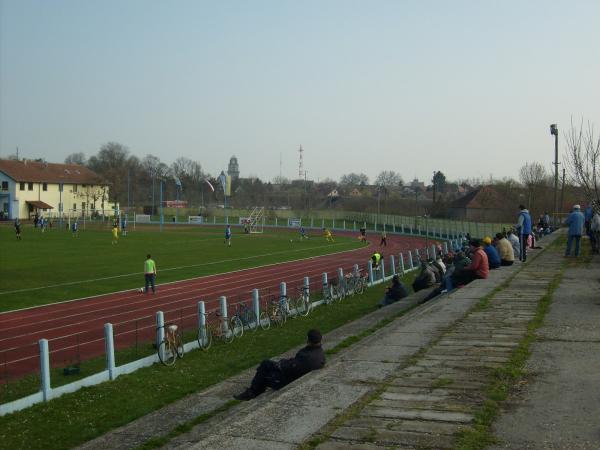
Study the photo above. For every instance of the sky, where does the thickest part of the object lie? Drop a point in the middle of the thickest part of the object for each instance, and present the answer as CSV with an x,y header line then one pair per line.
x,y
466,87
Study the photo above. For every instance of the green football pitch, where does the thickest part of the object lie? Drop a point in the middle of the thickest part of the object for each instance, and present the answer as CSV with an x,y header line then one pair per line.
x,y
54,266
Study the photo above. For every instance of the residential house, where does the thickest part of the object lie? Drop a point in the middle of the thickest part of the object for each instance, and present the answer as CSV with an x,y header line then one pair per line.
x,y
30,187
484,204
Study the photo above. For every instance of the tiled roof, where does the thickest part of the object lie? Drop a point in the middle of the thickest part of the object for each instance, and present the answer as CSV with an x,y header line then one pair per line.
x,y
485,197
40,172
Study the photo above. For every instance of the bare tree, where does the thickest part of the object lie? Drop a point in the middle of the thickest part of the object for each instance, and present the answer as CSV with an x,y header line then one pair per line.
x,y
583,160
389,179
76,158
533,176
111,163
354,179
281,180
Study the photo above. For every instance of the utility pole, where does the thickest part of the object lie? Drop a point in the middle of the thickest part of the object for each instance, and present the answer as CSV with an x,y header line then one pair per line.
x,y
554,132
562,190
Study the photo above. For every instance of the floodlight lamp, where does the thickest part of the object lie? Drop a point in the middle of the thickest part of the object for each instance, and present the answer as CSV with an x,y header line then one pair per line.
x,y
553,130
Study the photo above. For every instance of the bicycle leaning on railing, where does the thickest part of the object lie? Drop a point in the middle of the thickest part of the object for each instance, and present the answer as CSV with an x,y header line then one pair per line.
x,y
171,347
278,310
245,316
355,283
302,303
217,328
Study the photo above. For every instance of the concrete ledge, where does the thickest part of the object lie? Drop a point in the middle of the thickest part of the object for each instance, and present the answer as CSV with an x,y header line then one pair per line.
x,y
285,418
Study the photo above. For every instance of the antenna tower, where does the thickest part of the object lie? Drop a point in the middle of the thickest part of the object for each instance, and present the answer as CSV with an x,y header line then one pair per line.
x,y
300,163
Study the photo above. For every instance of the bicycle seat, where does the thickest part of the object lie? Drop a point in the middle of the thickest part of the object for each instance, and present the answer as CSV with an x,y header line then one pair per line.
x,y
172,328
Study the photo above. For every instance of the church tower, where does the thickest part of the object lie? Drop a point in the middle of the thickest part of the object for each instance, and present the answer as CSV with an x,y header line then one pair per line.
x,y
233,170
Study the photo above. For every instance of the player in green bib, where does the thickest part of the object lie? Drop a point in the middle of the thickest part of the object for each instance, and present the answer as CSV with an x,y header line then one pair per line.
x,y
150,274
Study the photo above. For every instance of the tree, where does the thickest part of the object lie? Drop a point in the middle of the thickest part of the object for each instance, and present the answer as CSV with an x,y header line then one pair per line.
x,y
533,176
76,158
439,183
354,179
111,163
583,160
389,179
281,180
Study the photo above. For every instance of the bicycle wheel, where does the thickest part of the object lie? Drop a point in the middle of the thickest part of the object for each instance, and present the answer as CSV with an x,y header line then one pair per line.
x,y
265,321
205,337
226,333
294,306
326,296
236,326
350,287
279,316
166,353
334,292
250,320
359,286
179,344
306,305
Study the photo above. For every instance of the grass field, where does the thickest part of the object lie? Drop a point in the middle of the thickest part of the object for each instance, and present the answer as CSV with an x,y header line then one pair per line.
x,y
54,266
75,418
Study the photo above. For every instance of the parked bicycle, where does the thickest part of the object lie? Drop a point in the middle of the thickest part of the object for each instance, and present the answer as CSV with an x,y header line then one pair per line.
x,y
264,318
171,347
302,303
336,290
246,317
355,282
279,310
217,328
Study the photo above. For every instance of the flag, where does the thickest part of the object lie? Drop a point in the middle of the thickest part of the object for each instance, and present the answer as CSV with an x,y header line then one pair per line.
x,y
212,188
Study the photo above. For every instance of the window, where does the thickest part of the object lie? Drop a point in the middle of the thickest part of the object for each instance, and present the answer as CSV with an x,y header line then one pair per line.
x,y
74,206
22,186
83,206
45,186
74,188
30,186
5,185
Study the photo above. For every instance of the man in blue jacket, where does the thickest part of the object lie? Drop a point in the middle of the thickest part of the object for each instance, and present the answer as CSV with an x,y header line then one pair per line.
x,y
523,230
575,221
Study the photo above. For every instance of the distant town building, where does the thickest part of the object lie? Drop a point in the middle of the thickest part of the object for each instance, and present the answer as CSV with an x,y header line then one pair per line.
x,y
355,193
417,185
233,169
32,187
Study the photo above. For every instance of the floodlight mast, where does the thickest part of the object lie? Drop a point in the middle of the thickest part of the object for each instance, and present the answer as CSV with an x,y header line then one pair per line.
x,y
554,132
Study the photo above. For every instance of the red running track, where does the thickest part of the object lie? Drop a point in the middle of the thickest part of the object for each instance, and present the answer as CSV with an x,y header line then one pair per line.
x,y
75,329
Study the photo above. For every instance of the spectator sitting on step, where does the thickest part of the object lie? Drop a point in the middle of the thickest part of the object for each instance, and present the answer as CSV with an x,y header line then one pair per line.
x,y
505,250
514,242
491,252
425,279
479,267
394,293
436,270
439,265
277,374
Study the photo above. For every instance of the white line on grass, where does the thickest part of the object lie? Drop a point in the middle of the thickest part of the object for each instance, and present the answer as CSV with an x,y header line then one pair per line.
x,y
175,268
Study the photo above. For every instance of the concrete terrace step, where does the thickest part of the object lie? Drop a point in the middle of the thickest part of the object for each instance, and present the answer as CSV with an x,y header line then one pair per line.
x,y
423,402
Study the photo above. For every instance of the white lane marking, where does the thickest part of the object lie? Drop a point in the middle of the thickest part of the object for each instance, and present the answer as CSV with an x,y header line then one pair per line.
x,y
71,283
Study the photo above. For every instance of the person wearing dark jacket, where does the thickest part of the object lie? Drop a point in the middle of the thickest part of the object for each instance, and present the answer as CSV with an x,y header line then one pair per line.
x,y
277,374
394,293
425,279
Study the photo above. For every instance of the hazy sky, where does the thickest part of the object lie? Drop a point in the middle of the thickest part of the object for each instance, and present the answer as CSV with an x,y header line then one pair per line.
x,y
468,88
